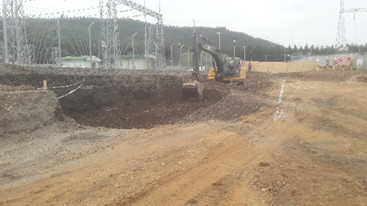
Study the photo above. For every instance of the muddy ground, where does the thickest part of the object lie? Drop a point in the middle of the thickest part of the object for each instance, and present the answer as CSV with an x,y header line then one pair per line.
x,y
296,139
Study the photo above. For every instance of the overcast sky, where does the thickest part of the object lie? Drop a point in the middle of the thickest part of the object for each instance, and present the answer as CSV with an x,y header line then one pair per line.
x,y
287,22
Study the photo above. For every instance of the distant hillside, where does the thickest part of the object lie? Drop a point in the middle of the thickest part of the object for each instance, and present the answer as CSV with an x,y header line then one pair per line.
x,y
74,38
42,33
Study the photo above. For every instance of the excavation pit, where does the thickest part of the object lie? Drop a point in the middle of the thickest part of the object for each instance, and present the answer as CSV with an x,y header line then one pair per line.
x,y
143,99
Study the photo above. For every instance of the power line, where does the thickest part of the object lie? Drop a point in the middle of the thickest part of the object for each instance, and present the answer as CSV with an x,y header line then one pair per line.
x,y
341,33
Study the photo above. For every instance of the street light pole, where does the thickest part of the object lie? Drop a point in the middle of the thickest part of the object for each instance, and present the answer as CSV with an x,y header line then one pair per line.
x,y
234,48
219,40
90,42
156,54
59,35
5,34
194,26
181,56
188,58
172,54
244,53
132,43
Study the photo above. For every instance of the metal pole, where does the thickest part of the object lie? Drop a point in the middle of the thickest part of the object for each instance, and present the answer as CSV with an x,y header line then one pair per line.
x,y
244,53
219,40
59,35
201,59
5,33
194,26
156,54
146,39
132,44
284,57
181,56
234,48
188,58
172,54
90,43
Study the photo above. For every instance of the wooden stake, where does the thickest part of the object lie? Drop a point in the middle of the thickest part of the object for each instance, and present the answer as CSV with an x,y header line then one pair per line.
x,y
44,84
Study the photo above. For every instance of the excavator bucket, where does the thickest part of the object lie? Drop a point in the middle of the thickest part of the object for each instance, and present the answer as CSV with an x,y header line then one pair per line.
x,y
193,89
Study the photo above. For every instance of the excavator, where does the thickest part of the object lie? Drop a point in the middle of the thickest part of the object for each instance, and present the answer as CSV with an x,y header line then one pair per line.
x,y
225,70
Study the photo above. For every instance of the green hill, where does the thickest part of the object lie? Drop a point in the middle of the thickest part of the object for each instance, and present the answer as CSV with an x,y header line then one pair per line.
x,y
42,33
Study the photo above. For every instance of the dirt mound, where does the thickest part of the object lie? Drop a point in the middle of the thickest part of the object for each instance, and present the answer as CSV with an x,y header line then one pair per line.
x,y
25,111
5,88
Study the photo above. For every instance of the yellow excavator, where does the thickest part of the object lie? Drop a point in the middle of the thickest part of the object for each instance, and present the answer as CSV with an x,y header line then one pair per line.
x,y
229,70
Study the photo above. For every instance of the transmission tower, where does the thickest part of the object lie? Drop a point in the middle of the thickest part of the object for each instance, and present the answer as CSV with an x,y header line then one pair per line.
x,y
160,57
341,37
15,39
110,37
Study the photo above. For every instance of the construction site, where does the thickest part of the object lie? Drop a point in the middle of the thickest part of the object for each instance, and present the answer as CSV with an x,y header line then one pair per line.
x,y
273,133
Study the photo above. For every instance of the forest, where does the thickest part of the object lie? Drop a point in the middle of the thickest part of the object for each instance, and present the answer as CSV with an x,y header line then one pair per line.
x,y
42,33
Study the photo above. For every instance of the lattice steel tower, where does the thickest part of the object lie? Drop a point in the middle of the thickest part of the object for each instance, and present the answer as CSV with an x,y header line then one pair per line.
x,y
341,39
16,48
160,56
110,37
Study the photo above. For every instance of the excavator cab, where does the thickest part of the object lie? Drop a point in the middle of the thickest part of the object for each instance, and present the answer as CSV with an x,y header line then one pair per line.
x,y
234,72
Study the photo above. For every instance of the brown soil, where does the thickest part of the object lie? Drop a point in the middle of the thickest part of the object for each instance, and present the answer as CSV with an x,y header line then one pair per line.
x,y
6,88
240,146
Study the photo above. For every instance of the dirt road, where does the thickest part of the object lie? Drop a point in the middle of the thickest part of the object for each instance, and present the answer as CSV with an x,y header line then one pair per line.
x,y
305,145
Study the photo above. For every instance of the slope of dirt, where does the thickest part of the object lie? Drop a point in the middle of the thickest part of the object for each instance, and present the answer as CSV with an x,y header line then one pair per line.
x,y
220,101
24,109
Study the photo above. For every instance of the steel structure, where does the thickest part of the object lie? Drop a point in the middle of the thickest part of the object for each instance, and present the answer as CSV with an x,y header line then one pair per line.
x,y
341,37
16,48
110,37
160,58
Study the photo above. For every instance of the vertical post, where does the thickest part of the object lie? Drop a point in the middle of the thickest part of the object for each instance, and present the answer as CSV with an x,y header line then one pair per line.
x,y
244,53
156,55
201,60
90,44
146,40
219,40
234,48
172,55
194,26
5,33
181,57
44,84
59,36
132,44
188,58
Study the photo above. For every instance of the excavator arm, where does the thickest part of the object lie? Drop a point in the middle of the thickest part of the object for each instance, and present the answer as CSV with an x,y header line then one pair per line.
x,y
200,43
